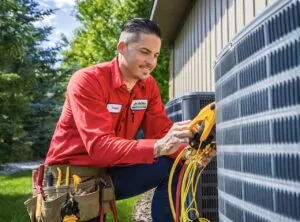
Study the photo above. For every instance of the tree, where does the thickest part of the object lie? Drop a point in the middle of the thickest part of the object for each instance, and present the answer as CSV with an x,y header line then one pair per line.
x,y
96,41
26,76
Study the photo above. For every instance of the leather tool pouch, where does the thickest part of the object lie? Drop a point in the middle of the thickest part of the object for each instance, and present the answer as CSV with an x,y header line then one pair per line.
x,y
87,198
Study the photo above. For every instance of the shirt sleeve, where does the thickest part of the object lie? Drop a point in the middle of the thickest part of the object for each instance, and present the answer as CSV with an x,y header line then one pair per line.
x,y
156,123
95,126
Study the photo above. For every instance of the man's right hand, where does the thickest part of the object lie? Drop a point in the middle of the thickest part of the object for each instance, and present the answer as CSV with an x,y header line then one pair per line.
x,y
179,134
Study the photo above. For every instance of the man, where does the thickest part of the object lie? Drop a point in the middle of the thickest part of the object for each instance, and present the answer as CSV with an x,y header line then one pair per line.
x,y
105,106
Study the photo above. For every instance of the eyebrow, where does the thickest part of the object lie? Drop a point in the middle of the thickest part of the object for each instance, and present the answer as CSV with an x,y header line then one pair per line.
x,y
148,50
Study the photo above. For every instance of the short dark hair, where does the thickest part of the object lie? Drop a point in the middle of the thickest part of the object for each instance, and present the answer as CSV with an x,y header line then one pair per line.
x,y
142,25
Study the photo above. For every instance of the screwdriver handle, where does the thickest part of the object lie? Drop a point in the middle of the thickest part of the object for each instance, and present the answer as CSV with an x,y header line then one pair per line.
x,y
76,180
67,176
58,182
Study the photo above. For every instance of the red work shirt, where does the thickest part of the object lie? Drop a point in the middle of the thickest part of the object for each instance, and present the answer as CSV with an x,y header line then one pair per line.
x,y
100,118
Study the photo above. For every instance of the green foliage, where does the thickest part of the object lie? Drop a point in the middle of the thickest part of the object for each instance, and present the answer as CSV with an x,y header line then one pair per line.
x,y
96,41
16,188
161,74
27,76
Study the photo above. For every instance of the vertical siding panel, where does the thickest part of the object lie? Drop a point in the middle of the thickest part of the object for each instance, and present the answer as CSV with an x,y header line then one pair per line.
x,y
208,45
174,58
204,73
195,48
231,19
213,40
182,79
180,57
259,5
249,11
218,26
179,68
195,62
192,52
187,49
200,46
182,65
188,45
240,14
208,28
199,56
225,30
189,42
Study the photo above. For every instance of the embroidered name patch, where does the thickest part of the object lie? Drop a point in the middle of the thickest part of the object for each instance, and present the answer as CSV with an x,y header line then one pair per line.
x,y
114,108
139,104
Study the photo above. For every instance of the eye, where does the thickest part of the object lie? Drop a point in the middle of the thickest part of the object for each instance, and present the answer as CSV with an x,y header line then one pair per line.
x,y
144,52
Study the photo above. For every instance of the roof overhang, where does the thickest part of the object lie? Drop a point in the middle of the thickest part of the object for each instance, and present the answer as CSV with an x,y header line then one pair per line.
x,y
170,16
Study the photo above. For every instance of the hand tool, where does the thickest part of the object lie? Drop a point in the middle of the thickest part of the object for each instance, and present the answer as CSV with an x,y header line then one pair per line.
x,y
58,182
67,176
38,212
76,180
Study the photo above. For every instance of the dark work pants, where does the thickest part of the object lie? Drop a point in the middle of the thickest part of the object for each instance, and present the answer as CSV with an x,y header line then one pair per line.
x,y
133,180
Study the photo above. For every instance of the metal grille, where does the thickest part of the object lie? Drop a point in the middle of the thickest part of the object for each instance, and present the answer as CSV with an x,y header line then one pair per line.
x,y
258,119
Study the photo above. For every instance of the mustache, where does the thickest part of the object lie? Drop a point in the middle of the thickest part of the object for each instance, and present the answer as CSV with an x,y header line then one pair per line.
x,y
148,66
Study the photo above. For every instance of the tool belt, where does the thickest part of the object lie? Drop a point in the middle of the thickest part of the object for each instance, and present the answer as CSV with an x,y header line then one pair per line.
x,y
71,193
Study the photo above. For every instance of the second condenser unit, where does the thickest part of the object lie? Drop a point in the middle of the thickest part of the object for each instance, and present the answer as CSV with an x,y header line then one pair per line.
x,y
187,107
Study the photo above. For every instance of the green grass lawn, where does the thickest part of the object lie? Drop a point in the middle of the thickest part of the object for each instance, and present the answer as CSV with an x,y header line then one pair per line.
x,y
16,188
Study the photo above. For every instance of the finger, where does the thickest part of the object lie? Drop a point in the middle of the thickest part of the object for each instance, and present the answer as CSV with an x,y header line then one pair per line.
x,y
195,128
183,134
181,140
212,153
180,127
185,122
203,163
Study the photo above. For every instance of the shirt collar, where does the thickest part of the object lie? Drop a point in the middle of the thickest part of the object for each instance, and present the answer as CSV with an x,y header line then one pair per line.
x,y
117,80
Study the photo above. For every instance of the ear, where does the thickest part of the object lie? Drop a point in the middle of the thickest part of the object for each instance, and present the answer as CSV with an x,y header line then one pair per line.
x,y
121,46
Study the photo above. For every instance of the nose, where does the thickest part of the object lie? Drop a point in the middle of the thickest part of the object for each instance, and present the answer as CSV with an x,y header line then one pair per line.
x,y
151,61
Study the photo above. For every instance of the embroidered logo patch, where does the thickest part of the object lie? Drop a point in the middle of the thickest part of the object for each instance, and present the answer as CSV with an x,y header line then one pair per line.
x,y
139,104
114,108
